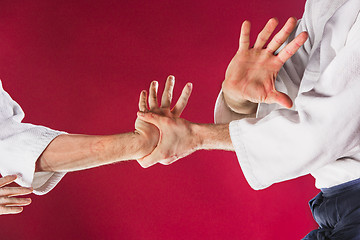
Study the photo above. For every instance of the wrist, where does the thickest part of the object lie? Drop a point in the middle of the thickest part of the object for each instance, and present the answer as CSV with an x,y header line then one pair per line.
x,y
240,105
197,136
211,136
144,146
235,102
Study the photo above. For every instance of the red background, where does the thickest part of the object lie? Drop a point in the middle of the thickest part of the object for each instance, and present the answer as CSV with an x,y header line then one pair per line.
x,y
79,66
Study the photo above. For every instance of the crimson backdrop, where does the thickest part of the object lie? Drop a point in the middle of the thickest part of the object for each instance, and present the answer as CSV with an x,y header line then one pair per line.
x,y
79,66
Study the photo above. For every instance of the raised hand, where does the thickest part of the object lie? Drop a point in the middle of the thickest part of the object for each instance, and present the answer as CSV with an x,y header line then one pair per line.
x,y
9,202
164,110
250,76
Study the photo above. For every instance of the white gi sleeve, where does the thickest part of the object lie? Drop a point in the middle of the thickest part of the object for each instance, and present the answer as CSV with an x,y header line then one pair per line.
x,y
21,144
286,143
323,126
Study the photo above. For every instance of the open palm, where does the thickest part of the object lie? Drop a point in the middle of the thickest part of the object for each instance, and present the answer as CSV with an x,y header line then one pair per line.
x,y
251,73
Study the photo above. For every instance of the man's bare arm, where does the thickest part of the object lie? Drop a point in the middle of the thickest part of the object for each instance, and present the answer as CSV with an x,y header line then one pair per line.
x,y
76,152
212,136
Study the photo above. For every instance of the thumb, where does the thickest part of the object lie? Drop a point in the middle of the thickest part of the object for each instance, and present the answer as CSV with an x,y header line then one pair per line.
x,y
149,117
280,98
151,159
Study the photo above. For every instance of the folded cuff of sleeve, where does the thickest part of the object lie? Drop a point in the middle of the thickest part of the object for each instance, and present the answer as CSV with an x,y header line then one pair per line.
x,y
237,135
222,113
21,154
43,182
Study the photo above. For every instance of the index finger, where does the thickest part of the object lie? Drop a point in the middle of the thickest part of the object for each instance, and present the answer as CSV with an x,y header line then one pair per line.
x,y
142,101
244,41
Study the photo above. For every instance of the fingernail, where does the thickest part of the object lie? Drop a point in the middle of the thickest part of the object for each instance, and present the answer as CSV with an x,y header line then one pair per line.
x,y
172,78
13,177
155,83
190,85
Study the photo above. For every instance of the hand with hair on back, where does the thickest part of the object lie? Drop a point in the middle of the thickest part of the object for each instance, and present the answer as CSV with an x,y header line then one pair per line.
x,y
163,110
250,76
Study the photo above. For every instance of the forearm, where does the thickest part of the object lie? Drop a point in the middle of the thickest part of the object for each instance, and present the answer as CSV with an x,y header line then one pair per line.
x,y
212,136
76,152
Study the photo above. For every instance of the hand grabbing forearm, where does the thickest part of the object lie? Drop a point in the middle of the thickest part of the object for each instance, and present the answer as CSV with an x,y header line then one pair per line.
x,y
163,110
179,138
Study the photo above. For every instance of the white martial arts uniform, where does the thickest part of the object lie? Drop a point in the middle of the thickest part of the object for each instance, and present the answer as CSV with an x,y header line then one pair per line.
x,y
20,146
320,135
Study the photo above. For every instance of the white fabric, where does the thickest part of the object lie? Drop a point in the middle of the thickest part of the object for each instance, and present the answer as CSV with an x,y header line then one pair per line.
x,y
320,135
21,144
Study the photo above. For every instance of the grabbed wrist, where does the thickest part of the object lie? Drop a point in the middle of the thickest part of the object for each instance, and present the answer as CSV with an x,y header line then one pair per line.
x,y
143,144
211,136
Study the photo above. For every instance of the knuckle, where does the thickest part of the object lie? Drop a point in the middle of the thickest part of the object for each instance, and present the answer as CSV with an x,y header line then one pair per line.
x,y
278,40
287,31
280,61
298,44
269,50
262,38
288,51
245,33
